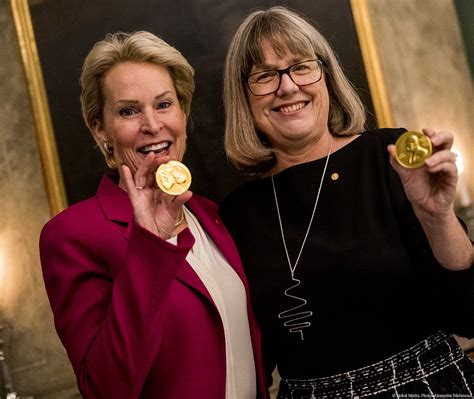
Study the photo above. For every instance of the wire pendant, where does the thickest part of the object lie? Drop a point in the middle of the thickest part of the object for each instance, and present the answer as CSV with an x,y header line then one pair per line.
x,y
294,322
297,321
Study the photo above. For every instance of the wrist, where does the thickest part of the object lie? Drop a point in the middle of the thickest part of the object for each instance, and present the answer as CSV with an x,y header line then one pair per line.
x,y
152,228
448,240
435,219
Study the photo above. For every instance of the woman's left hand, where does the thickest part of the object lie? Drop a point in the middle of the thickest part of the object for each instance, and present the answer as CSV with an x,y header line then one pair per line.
x,y
431,188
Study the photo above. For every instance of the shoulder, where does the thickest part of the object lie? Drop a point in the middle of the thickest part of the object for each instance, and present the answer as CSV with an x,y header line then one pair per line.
x,y
371,147
244,197
383,136
375,163
80,218
87,216
243,192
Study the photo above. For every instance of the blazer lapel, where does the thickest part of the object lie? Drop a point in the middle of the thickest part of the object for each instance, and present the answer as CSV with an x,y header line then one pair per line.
x,y
114,201
188,276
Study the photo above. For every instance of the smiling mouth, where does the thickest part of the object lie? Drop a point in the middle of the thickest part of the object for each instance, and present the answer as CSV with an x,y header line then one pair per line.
x,y
156,148
288,109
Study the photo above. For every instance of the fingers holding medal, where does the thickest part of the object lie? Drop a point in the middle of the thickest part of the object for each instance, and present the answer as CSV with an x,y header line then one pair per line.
x,y
412,149
173,178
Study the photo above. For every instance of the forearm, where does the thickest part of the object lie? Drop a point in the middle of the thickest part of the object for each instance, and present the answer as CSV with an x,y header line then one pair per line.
x,y
448,241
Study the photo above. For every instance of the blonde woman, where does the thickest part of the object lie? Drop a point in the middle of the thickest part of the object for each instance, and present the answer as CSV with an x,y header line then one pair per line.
x,y
147,289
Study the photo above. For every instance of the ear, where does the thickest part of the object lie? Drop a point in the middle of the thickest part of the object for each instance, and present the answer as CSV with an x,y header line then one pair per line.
x,y
99,133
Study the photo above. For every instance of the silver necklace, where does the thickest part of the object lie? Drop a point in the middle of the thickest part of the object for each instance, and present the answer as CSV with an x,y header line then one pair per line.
x,y
296,321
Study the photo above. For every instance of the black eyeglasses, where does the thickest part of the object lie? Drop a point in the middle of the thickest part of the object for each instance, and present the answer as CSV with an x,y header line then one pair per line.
x,y
302,74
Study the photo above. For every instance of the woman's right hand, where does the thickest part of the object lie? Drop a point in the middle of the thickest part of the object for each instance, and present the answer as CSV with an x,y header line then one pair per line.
x,y
153,209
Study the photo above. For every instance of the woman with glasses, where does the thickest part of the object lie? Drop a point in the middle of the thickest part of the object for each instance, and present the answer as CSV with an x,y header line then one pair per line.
x,y
358,266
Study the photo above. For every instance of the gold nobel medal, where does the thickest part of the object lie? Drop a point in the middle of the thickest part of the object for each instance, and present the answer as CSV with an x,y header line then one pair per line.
x,y
173,178
412,149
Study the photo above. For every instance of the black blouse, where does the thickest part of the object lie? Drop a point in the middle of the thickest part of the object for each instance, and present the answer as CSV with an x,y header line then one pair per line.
x,y
367,271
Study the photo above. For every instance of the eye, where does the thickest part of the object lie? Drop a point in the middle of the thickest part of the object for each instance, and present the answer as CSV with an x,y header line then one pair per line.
x,y
128,111
263,77
301,68
164,104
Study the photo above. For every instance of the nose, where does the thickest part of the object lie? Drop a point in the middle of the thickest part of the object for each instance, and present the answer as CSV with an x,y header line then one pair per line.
x,y
150,122
287,86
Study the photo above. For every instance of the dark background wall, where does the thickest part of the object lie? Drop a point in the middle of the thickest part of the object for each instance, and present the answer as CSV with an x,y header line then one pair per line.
x,y
201,29
465,11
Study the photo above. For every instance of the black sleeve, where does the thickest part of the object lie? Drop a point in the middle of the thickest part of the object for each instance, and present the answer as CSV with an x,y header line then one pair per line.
x,y
450,294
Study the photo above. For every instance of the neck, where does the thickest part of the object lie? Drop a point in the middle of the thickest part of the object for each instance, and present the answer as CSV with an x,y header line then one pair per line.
x,y
287,157
180,228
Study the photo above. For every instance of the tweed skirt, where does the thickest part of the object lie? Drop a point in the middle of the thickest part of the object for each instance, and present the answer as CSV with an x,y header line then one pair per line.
x,y
434,368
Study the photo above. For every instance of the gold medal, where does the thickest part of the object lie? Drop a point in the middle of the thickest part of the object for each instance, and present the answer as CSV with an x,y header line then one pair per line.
x,y
173,178
412,149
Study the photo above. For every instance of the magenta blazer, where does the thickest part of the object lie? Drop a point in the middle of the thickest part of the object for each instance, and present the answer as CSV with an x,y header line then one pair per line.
x,y
134,317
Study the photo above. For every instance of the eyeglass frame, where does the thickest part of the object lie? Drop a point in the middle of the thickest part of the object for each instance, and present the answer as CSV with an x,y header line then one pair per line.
x,y
282,72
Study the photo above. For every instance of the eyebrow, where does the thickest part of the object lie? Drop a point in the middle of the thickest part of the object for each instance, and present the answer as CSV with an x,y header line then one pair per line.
x,y
266,67
159,96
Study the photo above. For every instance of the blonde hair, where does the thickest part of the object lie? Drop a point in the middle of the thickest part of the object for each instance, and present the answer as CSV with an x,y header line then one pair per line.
x,y
247,148
122,47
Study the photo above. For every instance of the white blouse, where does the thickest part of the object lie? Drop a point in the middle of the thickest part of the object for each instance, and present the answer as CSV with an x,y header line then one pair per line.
x,y
228,293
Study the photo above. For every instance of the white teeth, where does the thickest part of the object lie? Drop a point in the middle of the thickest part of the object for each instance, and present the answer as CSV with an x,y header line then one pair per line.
x,y
292,108
155,147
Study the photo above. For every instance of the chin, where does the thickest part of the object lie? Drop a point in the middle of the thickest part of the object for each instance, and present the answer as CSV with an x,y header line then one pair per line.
x,y
298,132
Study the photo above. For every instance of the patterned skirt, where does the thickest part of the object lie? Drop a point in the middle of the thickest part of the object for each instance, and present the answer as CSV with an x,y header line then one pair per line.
x,y
434,368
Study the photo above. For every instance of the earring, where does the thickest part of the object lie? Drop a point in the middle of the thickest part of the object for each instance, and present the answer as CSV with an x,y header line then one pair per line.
x,y
108,148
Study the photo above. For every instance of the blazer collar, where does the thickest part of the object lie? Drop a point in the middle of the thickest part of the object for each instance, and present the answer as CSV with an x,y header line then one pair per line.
x,y
114,200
